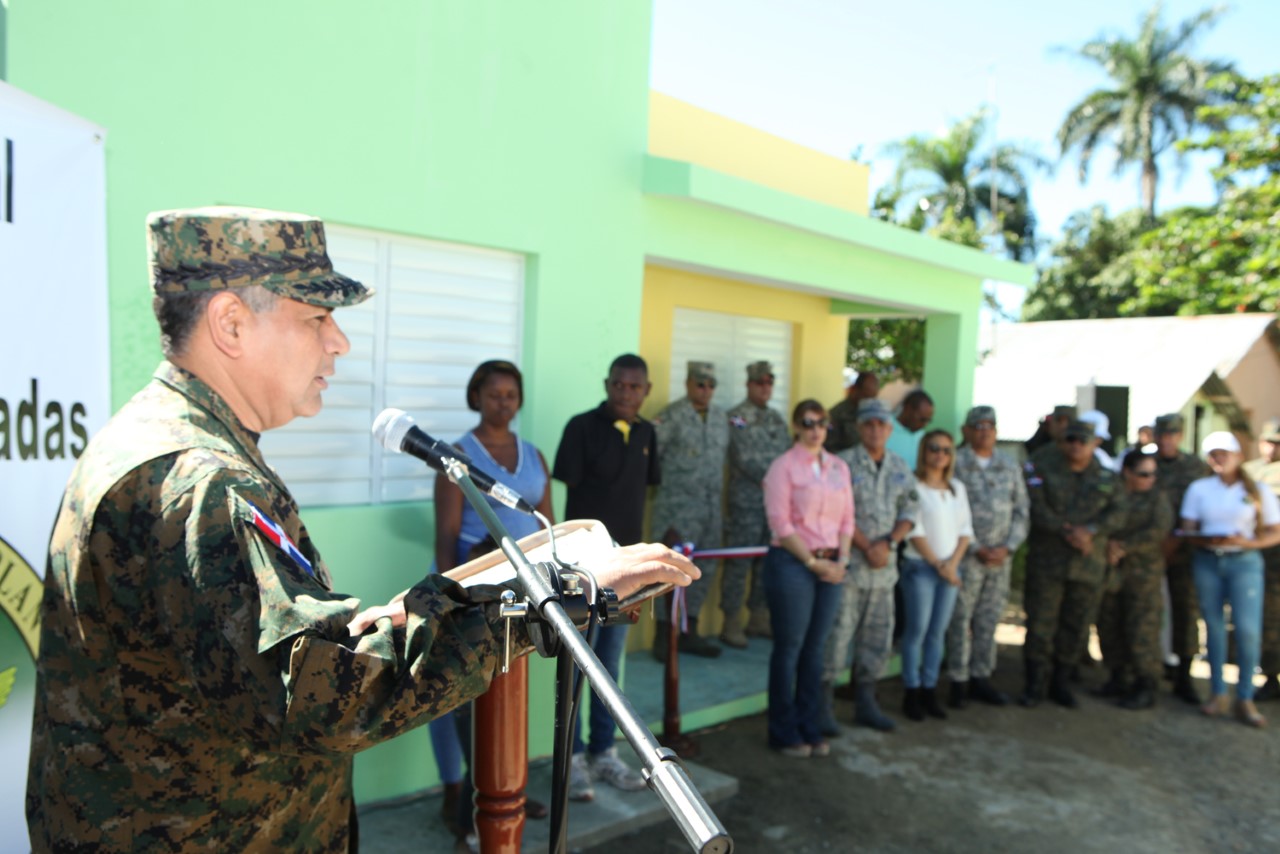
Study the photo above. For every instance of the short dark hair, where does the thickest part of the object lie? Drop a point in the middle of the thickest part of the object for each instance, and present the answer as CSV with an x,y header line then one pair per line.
x,y
481,375
915,398
1134,457
629,362
179,312
864,377
807,405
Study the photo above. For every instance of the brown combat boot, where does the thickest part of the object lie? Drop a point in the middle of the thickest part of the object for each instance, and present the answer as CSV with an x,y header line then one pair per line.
x,y
758,624
732,634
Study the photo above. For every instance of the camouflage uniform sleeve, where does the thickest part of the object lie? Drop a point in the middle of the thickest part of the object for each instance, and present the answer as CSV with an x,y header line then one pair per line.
x,y
267,645
1113,512
1043,515
908,509
1153,528
1020,521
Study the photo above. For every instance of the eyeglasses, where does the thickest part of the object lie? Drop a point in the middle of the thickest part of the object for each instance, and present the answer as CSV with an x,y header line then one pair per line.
x,y
939,449
810,423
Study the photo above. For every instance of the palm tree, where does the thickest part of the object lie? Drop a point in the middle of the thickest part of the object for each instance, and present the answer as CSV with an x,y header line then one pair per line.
x,y
1151,104
950,179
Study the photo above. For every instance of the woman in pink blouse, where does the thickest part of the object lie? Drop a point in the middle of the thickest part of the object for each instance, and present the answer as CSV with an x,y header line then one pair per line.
x,y
808,497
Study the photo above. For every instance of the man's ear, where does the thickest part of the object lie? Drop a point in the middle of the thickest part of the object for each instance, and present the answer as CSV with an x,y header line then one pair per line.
x,y
228,320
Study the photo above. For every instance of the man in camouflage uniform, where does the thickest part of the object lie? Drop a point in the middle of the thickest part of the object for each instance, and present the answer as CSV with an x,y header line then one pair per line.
x,y
885,504
200,685
843,432
1265,471
1075,506
1175,471
693,439
1000,509
1050,430
1129,615
758,434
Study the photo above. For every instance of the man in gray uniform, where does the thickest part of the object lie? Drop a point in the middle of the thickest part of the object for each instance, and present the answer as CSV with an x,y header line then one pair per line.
x,y
758,434
885,503
1000,509
693,438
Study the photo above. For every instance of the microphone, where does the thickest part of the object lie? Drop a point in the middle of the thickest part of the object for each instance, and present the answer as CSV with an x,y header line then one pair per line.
x,y
396,431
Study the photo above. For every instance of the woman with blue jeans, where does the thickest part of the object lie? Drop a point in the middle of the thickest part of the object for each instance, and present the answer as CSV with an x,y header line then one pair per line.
x,y
808,498
1228,520
931,572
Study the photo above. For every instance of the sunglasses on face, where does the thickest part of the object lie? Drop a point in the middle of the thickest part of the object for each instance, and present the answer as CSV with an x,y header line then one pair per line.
x,y
810,423
1074,440
765,381
706,384
939,449
1143,474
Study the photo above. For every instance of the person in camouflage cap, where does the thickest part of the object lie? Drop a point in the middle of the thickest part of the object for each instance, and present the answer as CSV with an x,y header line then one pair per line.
x,y
200,683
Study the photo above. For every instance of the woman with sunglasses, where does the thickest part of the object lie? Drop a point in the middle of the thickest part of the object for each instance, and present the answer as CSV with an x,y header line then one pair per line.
x,y
1132,606
1228,519
808,497
931,572
496,391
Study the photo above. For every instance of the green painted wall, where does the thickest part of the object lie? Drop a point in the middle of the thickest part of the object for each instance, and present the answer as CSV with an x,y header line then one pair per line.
x,y
517,126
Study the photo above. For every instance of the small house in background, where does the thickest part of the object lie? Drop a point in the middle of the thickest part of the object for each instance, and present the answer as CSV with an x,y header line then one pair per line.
x,y
1220,371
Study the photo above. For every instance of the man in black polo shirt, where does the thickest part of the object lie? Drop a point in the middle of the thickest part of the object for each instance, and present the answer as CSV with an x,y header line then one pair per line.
x,y
607,458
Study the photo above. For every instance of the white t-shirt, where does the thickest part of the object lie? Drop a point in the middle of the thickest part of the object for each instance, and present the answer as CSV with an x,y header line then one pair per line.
x,y
1224,511
943,519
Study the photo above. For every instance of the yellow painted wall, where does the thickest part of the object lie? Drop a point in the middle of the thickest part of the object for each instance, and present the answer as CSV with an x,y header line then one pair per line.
x,y
818,338
681,131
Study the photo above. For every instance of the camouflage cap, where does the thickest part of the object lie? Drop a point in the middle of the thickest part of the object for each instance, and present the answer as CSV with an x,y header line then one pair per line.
x,y
1171,423
978,414
1270,431
1082,429
702,371
757,371
1064,411
872,409
214,248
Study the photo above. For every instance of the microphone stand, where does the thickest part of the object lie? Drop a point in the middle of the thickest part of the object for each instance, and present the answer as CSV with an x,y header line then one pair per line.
x,y
662,769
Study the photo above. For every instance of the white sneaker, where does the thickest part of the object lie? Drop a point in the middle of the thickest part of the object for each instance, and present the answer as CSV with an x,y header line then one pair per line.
x,y
608,767
580,788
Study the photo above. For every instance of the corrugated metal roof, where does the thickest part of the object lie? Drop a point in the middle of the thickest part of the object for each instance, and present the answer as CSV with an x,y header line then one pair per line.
x,y
1028,368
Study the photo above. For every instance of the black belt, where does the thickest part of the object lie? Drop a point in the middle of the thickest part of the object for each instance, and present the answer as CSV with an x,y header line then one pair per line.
x,y
826,554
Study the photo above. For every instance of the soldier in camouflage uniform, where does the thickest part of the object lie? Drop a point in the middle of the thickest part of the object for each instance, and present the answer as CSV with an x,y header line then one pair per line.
x,y
1075,506
200,684
758,435
1265,471
1129,615
1000,509
693,440
1175,471
843,432
885,504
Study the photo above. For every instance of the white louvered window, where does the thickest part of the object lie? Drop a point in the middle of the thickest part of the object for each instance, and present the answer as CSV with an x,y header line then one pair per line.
x,y
731,342
441,309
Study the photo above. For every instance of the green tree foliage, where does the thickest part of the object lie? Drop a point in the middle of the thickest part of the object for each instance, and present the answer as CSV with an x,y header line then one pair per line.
x,y
1088,275
1154,91
891,349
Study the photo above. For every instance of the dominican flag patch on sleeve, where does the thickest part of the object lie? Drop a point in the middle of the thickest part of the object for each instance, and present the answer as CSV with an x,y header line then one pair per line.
x,y
276,534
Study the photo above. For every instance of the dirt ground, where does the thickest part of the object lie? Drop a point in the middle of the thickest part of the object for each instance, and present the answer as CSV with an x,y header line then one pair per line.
x,y
988,779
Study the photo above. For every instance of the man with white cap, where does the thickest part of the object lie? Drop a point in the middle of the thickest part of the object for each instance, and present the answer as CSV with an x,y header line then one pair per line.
x,y
1101,433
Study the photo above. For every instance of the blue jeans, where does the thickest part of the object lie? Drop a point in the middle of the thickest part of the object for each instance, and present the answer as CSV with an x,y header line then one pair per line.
x,y
802,610
927,601
608,648
1233,578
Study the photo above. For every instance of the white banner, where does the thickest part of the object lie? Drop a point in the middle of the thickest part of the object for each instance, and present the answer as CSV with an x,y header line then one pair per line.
x,y
54,374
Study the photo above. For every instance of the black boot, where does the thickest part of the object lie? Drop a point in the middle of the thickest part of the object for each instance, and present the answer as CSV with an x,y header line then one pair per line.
x,y
982,689
695,644
1060,689
1116,686
867,711
1183,688
959,695
1033,692
911,704
1270,689
1143,696
826,713
929,699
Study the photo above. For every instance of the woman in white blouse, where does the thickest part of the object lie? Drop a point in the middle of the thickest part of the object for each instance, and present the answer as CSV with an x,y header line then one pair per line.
x,y
931,572
1228,520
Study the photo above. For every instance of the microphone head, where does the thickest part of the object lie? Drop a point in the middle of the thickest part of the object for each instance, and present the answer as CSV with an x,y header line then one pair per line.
x,y
390,428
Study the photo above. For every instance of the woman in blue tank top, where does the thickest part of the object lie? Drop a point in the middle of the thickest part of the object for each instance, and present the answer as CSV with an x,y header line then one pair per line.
x,y
496,391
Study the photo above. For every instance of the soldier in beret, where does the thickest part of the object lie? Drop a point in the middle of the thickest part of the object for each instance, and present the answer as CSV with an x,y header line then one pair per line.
x,y
200,683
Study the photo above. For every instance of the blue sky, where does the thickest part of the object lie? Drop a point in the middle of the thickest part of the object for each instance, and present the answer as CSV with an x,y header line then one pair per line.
x,y
837,74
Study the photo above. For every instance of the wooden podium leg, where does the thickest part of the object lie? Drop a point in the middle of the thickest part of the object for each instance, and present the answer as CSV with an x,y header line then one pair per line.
x,y
500,767
683,745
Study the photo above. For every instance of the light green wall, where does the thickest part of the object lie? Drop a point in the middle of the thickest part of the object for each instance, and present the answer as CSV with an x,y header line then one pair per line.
x,y
518,126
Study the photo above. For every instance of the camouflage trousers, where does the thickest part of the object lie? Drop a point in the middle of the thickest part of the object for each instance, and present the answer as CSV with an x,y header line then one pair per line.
x,y
1058,614
1271,613
1184,608
744,528
702,527
971,637
1129,628
865,620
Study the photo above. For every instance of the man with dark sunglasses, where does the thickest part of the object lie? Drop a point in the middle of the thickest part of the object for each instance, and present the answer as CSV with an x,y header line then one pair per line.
x,y
1075,505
